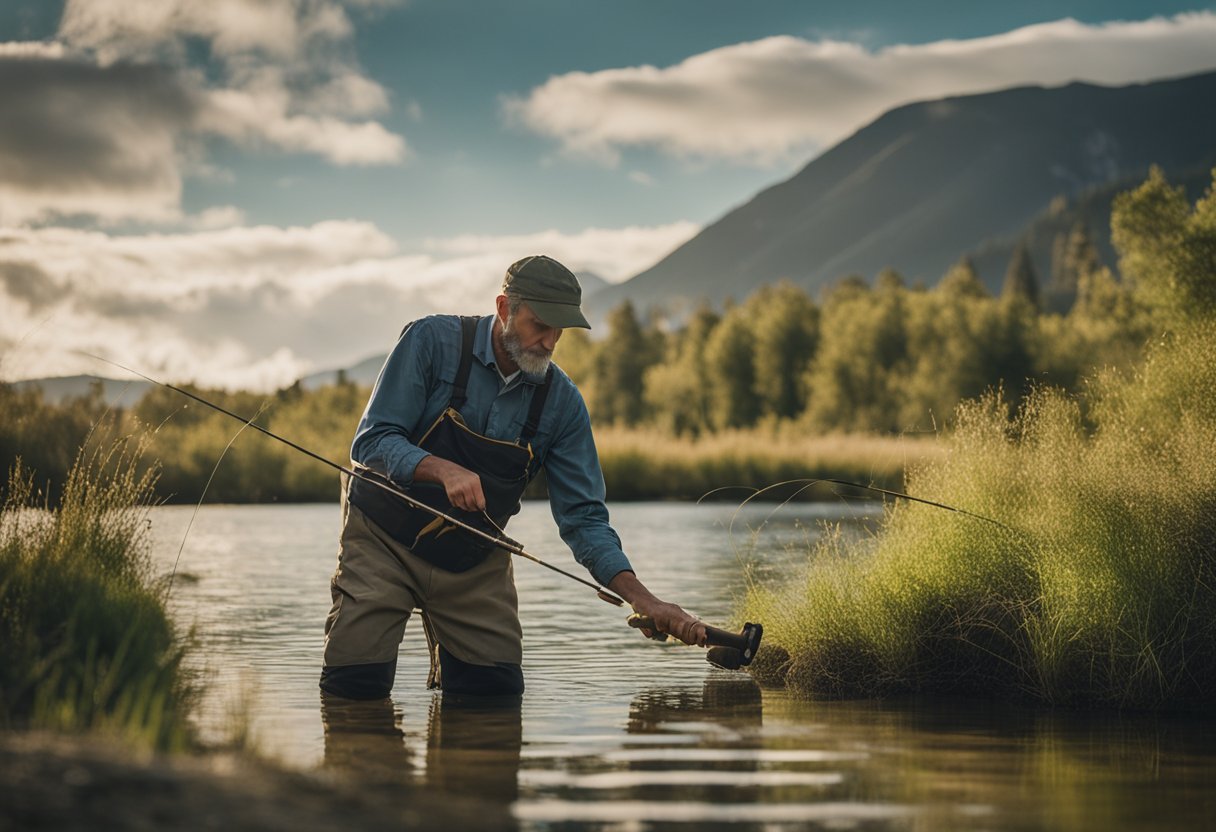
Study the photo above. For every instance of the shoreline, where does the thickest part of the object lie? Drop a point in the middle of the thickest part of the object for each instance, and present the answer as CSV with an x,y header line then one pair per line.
x,y
64,782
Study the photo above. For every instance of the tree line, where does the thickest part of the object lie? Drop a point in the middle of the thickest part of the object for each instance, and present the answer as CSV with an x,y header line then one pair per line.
x,y
888,358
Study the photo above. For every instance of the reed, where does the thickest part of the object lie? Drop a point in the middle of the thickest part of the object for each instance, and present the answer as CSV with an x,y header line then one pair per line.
x,y
1097,590
86,642
649,464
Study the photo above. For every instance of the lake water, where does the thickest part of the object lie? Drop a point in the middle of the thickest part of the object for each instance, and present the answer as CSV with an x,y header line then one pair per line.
x,y
617,732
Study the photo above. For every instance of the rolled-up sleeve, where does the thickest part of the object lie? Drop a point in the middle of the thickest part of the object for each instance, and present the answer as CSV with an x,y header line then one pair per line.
x,y
384,440
576,496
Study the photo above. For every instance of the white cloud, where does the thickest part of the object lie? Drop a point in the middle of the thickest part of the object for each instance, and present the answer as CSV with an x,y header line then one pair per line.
x,y
106,120
612,253
770,100
218,216
258,306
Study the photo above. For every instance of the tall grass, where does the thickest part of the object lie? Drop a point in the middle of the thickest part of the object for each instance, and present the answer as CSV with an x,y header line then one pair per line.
x,y
85,639
1101,591
649,464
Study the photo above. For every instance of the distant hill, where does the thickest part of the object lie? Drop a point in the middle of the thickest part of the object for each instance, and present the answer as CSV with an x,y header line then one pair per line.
x,y
591,283
62,388
928,182
364,373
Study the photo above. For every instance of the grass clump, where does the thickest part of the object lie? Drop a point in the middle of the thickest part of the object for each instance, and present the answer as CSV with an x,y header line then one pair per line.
x,y
1098,588
85,639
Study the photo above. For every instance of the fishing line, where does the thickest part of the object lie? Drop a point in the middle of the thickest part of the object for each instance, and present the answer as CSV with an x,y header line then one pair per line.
x,y
203,496
808,483
501,541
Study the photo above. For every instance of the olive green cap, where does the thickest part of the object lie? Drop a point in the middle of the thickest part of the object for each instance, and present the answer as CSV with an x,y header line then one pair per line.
x,y
550,290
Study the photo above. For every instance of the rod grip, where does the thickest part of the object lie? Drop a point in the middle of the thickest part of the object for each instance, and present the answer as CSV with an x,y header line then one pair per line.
x,y
714,636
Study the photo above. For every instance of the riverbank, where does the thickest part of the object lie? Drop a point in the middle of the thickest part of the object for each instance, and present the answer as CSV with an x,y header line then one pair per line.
x,y
1088,585
56,782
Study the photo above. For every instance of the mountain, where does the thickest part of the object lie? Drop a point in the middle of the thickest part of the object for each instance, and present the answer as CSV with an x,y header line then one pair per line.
x,y
927,182
591,283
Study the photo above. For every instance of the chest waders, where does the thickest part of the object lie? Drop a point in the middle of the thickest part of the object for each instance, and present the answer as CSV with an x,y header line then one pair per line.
x,y
504,469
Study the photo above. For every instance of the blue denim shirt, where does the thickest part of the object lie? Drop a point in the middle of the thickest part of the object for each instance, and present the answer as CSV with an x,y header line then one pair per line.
x,y
414,388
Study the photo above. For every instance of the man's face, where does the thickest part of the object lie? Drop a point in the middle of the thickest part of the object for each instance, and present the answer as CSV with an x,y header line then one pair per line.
x,y
529,340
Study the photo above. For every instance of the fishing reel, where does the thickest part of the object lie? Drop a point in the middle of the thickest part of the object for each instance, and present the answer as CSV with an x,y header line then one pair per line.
x,y
730,651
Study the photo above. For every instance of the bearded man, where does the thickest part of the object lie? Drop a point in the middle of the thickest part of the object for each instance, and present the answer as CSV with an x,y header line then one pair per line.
x,y
464,413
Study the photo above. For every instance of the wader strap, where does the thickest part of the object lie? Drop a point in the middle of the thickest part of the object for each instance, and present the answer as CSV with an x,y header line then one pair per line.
x,y
538,404
468,329
434,679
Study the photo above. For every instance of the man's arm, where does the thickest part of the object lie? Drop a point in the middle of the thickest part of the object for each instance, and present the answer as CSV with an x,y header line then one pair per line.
x,y
397,404
576,496
669,618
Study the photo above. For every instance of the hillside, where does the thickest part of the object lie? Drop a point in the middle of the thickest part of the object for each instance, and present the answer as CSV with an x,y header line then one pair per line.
x,y
927,182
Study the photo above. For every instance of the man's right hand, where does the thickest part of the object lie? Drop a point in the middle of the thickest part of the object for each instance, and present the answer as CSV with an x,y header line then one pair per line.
x,y
463,487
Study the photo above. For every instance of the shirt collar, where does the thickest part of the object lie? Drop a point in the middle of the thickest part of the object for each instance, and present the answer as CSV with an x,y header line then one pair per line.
x,y
483,349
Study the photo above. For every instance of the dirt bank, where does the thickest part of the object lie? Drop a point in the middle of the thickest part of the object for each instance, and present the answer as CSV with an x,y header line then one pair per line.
x,y
55,783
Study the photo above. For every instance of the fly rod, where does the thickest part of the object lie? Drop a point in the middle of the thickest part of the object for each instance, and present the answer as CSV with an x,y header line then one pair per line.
x,y
500,540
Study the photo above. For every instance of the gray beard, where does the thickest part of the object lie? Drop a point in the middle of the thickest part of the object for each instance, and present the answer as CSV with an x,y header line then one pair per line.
x,y
534,361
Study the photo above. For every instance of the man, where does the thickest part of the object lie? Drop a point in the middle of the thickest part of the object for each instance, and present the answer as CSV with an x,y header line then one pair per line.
x,y
464,413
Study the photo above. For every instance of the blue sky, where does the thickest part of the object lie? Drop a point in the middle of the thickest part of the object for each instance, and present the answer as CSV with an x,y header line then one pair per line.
x,y
245,190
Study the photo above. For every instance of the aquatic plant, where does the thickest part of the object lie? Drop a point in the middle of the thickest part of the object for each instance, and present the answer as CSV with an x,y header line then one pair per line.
x,y
85,638
1097,587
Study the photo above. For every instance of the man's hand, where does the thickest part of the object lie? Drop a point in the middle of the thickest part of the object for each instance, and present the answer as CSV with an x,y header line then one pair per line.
x,y
669,618
463,487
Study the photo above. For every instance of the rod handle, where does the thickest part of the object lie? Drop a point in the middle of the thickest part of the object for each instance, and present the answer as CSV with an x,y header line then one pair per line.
x,y
745,642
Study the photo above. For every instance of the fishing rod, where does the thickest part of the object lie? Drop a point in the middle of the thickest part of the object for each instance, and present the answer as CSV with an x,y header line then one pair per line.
x,y
500,540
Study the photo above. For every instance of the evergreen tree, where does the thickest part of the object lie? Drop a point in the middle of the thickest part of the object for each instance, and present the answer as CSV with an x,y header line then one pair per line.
x,y
1021,280
1074,257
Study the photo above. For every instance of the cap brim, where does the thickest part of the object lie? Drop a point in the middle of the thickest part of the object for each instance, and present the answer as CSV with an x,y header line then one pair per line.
x,y
560,315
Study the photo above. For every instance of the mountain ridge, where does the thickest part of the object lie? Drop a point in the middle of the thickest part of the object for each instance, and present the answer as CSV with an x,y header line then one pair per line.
x,y
929,181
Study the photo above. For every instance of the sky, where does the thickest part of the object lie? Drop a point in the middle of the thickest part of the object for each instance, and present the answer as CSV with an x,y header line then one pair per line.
x,y
241,192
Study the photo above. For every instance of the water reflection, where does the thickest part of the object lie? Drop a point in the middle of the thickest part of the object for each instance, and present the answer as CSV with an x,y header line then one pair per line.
x,y
365,740
472,747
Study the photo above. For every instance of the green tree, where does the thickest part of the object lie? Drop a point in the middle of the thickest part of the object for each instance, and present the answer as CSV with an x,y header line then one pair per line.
x,y
730,355
785,324
863,350
963,281
621,360
1166,248
678,389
